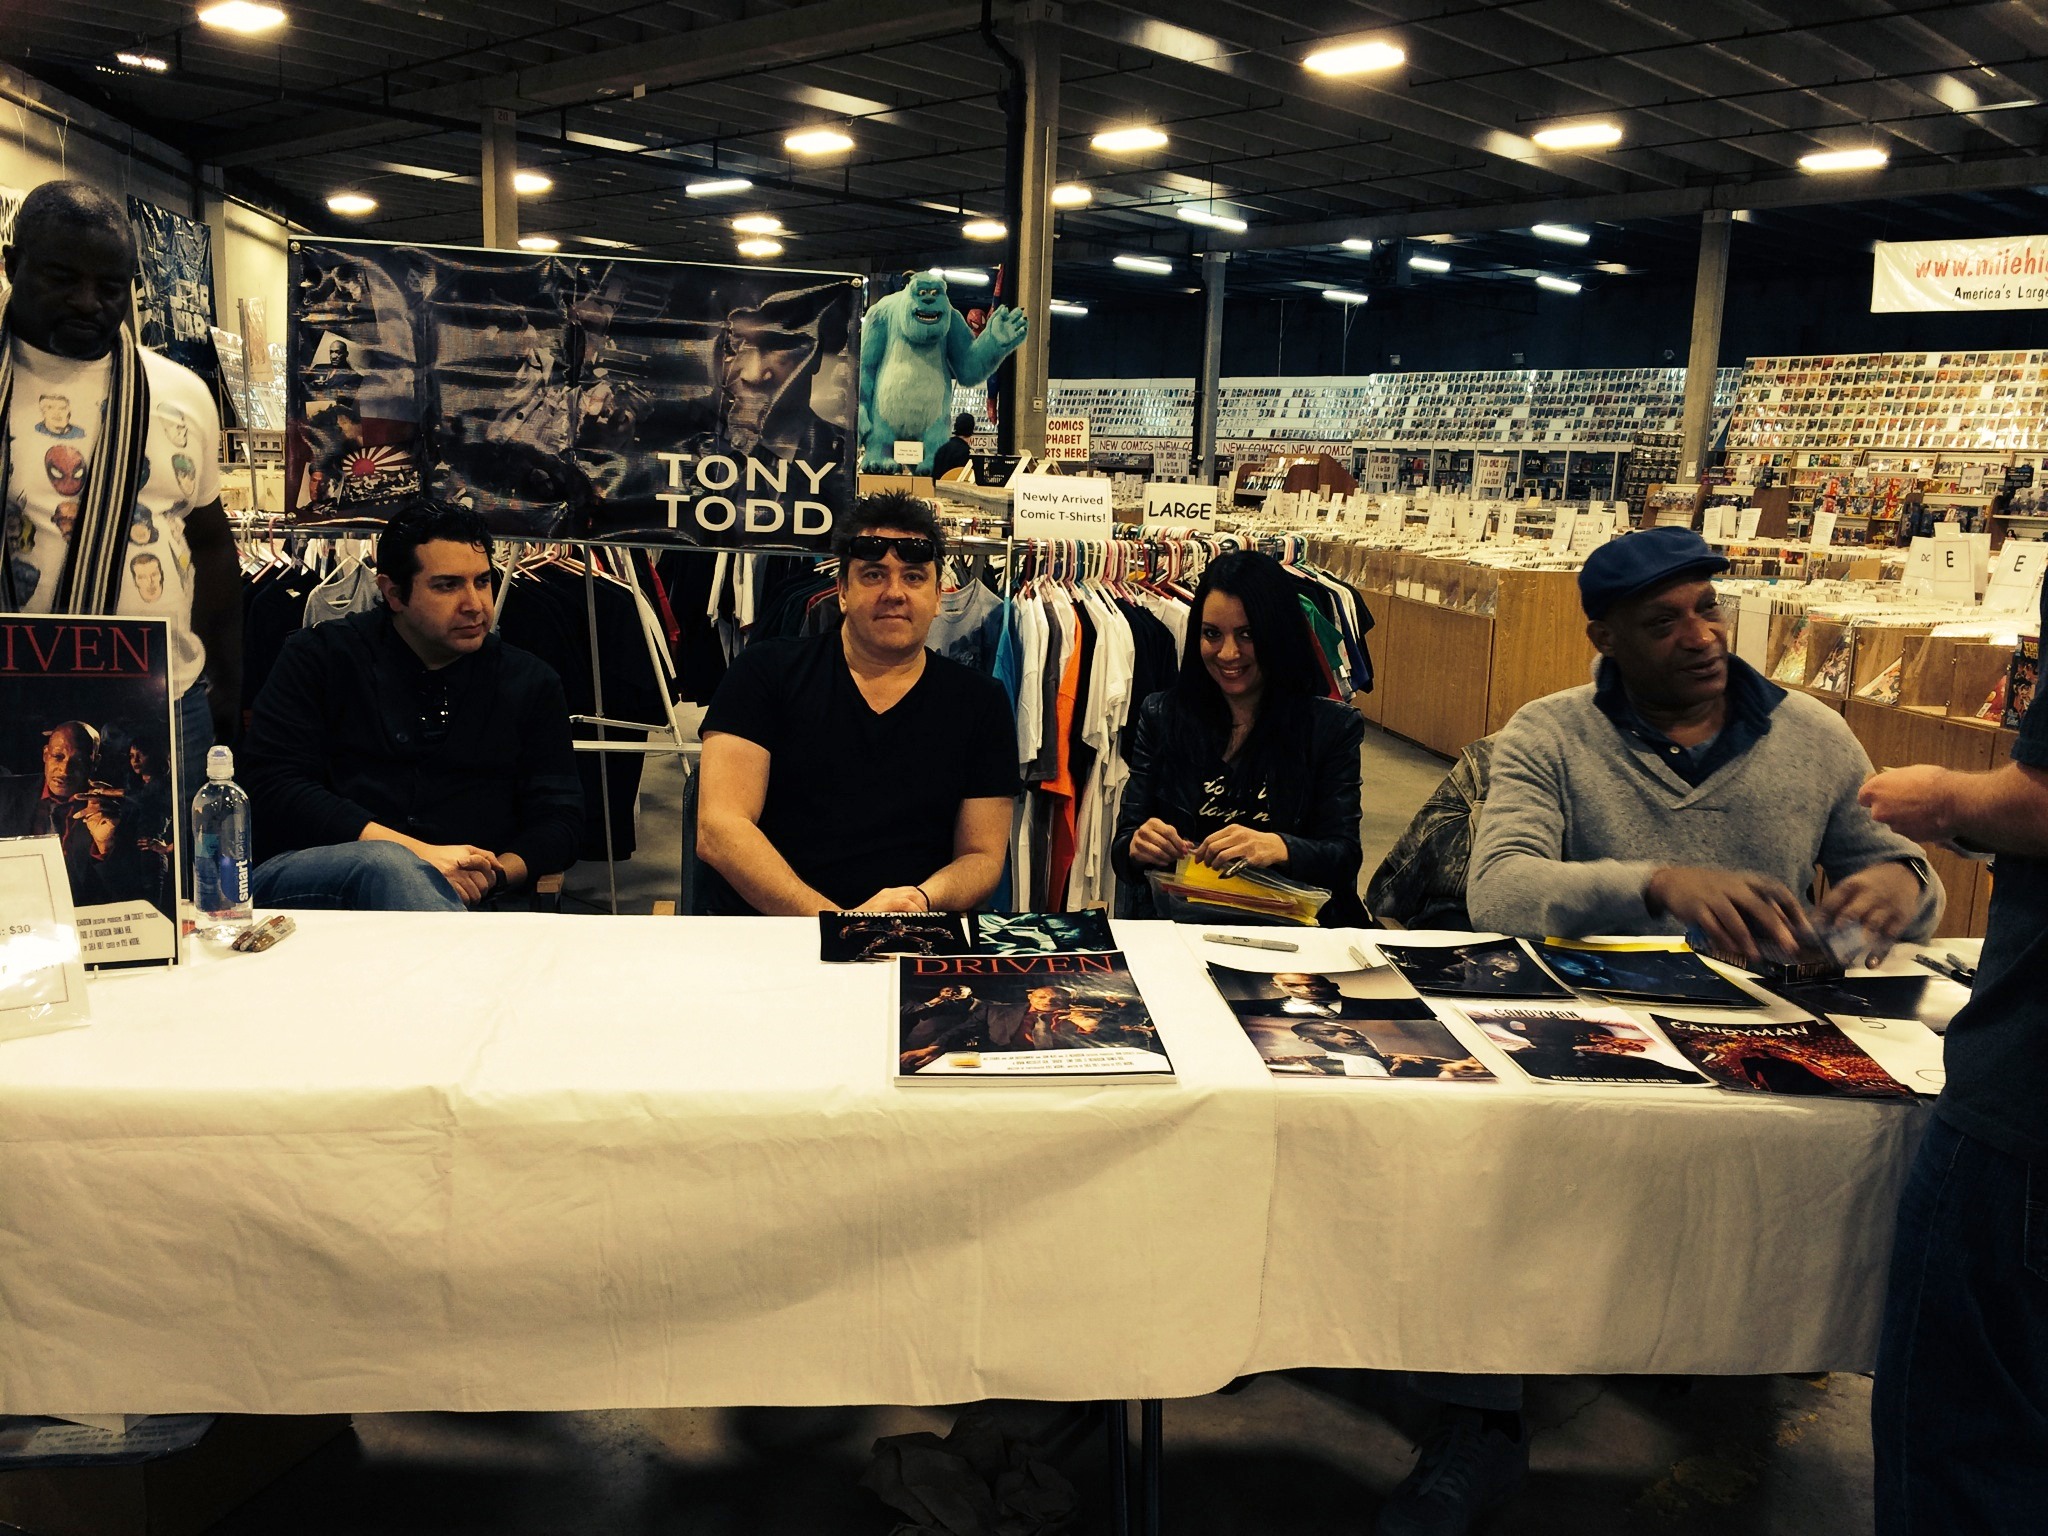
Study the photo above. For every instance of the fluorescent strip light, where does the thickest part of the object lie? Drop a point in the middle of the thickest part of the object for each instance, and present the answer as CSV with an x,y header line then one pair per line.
x,y
1579,136
1157,266
759,248
967,277
717,185
817,141
530,181
1429,264
1844,160
984,229
1123,141
609,245
1556,284
757,224
1563,234
1354,58
241,16
1345,296
1071,194
1069,309
351,203
148,61
1363,247
539,243
1187,213
1990,106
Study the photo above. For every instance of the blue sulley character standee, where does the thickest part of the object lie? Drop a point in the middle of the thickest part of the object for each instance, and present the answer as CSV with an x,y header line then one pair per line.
x,y
914,347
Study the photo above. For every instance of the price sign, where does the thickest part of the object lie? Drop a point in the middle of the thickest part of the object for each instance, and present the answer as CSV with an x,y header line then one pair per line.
x,y
1562,530
42,974
1823,529
2016,572
1746,523
1061,507
1066,439
1180,506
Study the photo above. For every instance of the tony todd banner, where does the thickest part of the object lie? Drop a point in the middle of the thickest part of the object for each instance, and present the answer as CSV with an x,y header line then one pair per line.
x,y
2007,273
573,396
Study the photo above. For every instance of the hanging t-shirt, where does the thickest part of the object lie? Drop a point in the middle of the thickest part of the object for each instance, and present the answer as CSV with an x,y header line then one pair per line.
x,y
859,801
53,429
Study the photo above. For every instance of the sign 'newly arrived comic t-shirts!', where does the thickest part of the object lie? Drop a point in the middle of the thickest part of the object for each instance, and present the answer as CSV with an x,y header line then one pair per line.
x,y
1061,507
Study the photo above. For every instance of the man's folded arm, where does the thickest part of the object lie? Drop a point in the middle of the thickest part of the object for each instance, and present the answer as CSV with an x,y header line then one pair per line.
x,y
732,788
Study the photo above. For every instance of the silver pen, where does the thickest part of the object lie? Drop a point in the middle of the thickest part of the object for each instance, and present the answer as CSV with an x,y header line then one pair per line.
x,y
1231,938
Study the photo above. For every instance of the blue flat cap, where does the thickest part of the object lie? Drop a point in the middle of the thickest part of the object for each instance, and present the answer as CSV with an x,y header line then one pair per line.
x,y
1637,563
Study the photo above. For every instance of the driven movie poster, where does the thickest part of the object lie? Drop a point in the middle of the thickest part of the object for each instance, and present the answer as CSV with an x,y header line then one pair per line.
x,y
86,756
573,396
1073,1017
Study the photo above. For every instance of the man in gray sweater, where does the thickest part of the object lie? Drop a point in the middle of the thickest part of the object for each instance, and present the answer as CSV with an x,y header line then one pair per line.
x,y
1681,789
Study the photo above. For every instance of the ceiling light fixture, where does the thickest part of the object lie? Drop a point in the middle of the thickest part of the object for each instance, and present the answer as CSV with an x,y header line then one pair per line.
x,y
241,16
760,248
1828,160
530,182
1071,194
1124,141
1363,247
818,141
1354,58
1158,266
2001,106
967,277
1345,296
1066,307
1556,284
1563,234
1208,218
717,185
757,224
1579,136
1429,264
984,229
351,203
539,243
149,61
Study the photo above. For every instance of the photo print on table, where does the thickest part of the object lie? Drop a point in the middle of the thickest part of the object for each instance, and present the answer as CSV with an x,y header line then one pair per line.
x,y
846,936
1642,973
1487,968
1583,1045
1379,993
1071,1017
1381,1047
1040,933
1806,1057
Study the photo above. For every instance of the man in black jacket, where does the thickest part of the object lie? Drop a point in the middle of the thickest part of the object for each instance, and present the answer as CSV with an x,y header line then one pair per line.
x,y
407,759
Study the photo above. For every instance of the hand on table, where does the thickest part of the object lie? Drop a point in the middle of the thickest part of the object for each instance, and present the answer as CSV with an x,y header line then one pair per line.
x,y
1881,899
896,898
470,869
1914,802
1229,845
1743,914
1156,845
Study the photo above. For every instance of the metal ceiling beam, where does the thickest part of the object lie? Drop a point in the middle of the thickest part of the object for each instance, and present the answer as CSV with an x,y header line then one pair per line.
x,y
2003,174
798,35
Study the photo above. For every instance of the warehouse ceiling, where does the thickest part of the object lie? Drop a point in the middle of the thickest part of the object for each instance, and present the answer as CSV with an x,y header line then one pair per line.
x,y
623,104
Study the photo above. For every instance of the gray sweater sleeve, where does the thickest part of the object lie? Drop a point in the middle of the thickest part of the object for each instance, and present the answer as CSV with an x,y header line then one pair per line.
x,y
1520,882
1855,840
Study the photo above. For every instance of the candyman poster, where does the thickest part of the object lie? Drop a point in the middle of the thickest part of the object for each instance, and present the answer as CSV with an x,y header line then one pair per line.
x,y
573,397
86,756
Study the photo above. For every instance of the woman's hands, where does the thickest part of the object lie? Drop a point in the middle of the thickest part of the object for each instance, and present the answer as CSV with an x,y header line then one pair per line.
x,y
1234,844
1155,845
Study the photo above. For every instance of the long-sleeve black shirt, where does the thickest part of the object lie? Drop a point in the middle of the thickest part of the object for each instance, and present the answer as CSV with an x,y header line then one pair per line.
x,y
349,729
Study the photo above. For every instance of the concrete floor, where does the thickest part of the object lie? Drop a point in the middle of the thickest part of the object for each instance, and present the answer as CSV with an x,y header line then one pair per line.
x,y
1308,1453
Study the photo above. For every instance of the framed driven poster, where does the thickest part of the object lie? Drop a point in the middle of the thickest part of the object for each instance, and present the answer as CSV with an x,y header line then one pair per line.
x,y
572,396
87,758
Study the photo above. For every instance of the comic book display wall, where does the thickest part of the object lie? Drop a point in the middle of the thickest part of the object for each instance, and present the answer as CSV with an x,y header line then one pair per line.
x,y
573,397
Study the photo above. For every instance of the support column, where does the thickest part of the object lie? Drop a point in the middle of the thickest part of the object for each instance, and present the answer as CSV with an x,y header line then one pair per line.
x,y
1038,50
1207,386
500,134
1709,297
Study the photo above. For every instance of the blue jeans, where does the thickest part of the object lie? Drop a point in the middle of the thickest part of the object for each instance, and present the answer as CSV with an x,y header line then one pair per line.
x,y
1959,1414
354,877
193,723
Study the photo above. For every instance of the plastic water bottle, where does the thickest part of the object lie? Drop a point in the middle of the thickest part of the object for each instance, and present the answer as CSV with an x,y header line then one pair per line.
x,y
220,842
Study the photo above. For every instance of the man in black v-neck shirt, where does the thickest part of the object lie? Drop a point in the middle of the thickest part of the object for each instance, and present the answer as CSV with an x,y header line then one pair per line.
x,y
859,771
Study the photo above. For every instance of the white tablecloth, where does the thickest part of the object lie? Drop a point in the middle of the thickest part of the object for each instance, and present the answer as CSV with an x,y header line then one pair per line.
x,y
543,1162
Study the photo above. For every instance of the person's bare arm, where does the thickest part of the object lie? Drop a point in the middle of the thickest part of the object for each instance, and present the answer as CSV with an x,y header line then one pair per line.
x,y
470,869
981,840
2005,810
731,790
217,613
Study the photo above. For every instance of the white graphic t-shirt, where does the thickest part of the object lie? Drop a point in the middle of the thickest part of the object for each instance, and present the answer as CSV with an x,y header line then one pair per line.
x,y
53,427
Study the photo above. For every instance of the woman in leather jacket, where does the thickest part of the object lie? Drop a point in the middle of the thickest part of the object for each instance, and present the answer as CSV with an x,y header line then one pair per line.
x,y
1244,758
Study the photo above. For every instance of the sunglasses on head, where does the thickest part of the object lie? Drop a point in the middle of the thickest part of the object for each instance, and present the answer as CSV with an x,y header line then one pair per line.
x,y
911,549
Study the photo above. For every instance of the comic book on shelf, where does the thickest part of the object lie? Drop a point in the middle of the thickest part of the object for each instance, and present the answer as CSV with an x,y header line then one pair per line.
x,y
2019,691
1024,1017
1808,1057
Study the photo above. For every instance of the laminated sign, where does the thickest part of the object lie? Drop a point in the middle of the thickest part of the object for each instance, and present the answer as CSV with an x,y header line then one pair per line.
x,y
1061,507
573,397
1180,506
1066,439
